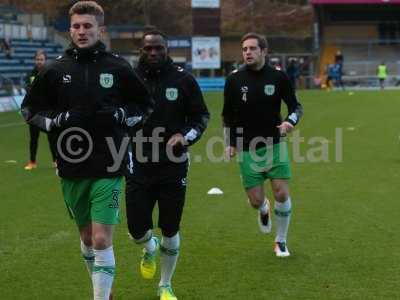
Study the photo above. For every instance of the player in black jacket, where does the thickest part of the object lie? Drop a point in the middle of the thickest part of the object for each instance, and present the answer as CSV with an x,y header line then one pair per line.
x,y
34,132
89,97
179,119
251,114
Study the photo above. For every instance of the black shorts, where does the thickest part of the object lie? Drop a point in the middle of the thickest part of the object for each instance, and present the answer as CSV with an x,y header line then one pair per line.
x,y
164,184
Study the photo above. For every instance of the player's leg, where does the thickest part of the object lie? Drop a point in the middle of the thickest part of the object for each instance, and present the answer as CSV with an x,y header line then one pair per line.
x,y
34,139
259,201
104,261
140,201
33,145
279,174
105,196
283,208
76,196
52,138
87,252
171,202
341,83
170,244
252,166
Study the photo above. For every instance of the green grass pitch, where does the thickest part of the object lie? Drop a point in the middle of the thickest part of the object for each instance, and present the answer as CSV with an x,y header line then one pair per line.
x,y
344,236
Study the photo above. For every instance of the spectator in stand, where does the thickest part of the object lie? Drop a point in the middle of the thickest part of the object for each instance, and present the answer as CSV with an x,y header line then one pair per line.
x,y
6,47
293,72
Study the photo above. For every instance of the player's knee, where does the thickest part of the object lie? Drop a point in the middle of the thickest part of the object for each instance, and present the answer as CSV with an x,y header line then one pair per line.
x,y
101,241
256,202
87,240
141,237
169,232
281,195
129,189
281,192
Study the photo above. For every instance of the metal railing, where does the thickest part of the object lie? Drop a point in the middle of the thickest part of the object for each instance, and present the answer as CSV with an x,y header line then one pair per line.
x,y
369,68
7,86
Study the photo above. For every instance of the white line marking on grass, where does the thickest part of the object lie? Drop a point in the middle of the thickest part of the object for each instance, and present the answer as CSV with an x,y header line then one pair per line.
x,y
58,236
12,124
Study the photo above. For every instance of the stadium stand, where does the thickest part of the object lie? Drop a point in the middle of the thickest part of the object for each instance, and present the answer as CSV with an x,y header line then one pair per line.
x,y
363,58
24,40
362,31
22,61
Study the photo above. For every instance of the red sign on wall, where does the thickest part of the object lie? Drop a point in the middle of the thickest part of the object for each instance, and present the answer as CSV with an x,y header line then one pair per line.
x,y
319,2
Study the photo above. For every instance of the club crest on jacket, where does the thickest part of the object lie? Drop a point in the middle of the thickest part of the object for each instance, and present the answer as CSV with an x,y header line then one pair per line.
x,y
269,89
171,94
106,80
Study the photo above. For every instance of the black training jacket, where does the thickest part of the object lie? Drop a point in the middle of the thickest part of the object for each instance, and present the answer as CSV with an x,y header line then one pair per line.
x,y
31,77
93,83
252,104
179,108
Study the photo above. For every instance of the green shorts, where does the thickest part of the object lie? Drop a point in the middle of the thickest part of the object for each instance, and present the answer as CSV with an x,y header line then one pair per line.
x,y
270,162
93,200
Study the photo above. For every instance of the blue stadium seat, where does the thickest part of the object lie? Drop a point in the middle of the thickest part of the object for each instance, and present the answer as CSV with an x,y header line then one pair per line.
x,y
22,61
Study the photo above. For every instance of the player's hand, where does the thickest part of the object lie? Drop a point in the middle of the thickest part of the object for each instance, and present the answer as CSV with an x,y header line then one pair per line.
x,y
285,128
230,151
118,115
67,119
26,114
177,139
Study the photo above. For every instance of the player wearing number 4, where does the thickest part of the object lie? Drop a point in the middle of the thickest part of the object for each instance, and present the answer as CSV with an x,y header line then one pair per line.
x,y
95,96
255,130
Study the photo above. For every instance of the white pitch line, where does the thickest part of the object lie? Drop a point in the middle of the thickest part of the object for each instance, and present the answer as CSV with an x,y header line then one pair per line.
x,y
12,124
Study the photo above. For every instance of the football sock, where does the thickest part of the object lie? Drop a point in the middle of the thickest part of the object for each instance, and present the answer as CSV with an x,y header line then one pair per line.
x,y
263,207
88,256
169,256
147,241
150,245
282,219
103,273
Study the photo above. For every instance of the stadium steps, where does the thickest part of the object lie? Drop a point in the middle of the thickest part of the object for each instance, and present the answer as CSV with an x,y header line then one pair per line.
x,y
22,61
